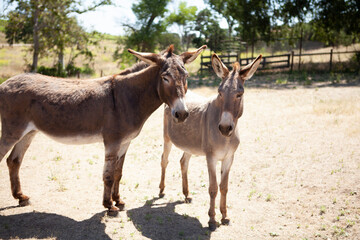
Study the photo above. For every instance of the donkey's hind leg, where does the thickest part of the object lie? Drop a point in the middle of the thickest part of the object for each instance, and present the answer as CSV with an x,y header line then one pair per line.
x,y
164,163
184,161
14,163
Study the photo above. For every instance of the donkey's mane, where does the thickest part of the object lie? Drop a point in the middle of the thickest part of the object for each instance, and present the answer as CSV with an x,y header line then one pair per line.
x,y
136,68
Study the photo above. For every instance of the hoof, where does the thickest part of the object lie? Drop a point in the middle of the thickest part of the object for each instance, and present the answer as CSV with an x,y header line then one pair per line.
x,y
213,226
113,211
188,200
24,202
161,195
225,221
120,205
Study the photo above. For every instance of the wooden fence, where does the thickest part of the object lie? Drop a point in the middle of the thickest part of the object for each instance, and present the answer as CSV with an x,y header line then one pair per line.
x,y
284,61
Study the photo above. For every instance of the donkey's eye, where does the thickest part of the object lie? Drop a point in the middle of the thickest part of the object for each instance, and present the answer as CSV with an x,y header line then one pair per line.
x,y
165,80
239,95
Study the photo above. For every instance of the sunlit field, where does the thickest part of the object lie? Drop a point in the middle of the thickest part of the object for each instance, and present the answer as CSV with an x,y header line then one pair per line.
x,y
296,175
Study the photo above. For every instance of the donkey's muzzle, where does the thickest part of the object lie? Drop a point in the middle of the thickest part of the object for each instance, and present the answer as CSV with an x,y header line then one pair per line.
x,y
226,130
181,115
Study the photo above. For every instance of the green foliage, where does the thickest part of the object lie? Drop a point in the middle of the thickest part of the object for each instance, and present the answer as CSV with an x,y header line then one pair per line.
x,y
210,32
144,35
183,18
223,7
2,25
332,23
50,27
166,39
69,71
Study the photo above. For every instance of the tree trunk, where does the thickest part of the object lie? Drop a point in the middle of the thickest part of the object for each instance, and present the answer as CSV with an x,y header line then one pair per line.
x,y
35,40
252,45
61,60
144,45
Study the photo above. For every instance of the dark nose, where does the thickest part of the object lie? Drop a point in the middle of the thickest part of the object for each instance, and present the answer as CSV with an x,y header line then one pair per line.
x,y
181,115
226,130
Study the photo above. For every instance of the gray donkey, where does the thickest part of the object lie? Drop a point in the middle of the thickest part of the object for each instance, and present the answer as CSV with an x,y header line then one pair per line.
x,y
210,130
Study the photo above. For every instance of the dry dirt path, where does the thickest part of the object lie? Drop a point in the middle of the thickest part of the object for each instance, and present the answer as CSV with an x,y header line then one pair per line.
x,y
296,175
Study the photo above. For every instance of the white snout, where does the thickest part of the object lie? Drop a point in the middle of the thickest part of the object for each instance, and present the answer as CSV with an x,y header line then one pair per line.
x,y
179,111
226,124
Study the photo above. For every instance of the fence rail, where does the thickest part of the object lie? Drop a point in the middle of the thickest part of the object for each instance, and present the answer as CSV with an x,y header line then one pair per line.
x,y
270,62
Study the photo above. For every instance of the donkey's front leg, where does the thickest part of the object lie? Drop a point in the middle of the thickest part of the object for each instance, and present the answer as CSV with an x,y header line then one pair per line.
x,y
164,163
225,169
14,163
111,157
117,177
184,161
213,189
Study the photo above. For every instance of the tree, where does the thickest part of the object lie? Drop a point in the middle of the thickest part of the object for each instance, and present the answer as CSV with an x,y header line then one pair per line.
x,y
209,30
166,39
251,16
335,20
149,25
25,24
37,22
253,19
222,7
183,18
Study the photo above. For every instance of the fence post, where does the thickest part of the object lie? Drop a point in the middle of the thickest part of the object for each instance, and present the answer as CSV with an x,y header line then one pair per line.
x,y
101,73
331,56
201,65
264,62
292,61
301,39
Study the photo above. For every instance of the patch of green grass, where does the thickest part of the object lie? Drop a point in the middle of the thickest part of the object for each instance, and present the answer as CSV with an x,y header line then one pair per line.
x,y
273,234
322,209
339,231
268,198
281,81
52,177
251,194
57,158
4,62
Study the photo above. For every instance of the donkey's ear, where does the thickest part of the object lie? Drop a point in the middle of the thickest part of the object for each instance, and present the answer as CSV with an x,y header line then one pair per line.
x,y
219,67
188,57
149,58
249,70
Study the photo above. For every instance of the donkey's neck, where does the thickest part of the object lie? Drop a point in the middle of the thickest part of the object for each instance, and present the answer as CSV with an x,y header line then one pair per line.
x,y
141,89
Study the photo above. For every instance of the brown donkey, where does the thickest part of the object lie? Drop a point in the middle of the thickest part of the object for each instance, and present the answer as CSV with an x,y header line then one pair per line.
x,y
210,130
111,109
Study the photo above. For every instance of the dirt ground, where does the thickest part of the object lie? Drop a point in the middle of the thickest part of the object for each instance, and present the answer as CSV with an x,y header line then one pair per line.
x,y
296,175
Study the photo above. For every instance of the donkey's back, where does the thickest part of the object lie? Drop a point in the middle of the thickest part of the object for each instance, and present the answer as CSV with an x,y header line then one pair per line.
x,y
188,136
51,89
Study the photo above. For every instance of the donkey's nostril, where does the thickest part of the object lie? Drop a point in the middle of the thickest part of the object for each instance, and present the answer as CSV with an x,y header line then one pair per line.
x,y
177,115
186,115
226,130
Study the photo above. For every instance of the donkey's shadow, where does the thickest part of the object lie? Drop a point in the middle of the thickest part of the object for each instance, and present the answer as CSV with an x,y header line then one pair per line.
x,y
160,221
47,225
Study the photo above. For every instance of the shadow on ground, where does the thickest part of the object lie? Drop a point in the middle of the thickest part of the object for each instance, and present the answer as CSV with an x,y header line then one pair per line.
x,y
160,221
46,225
